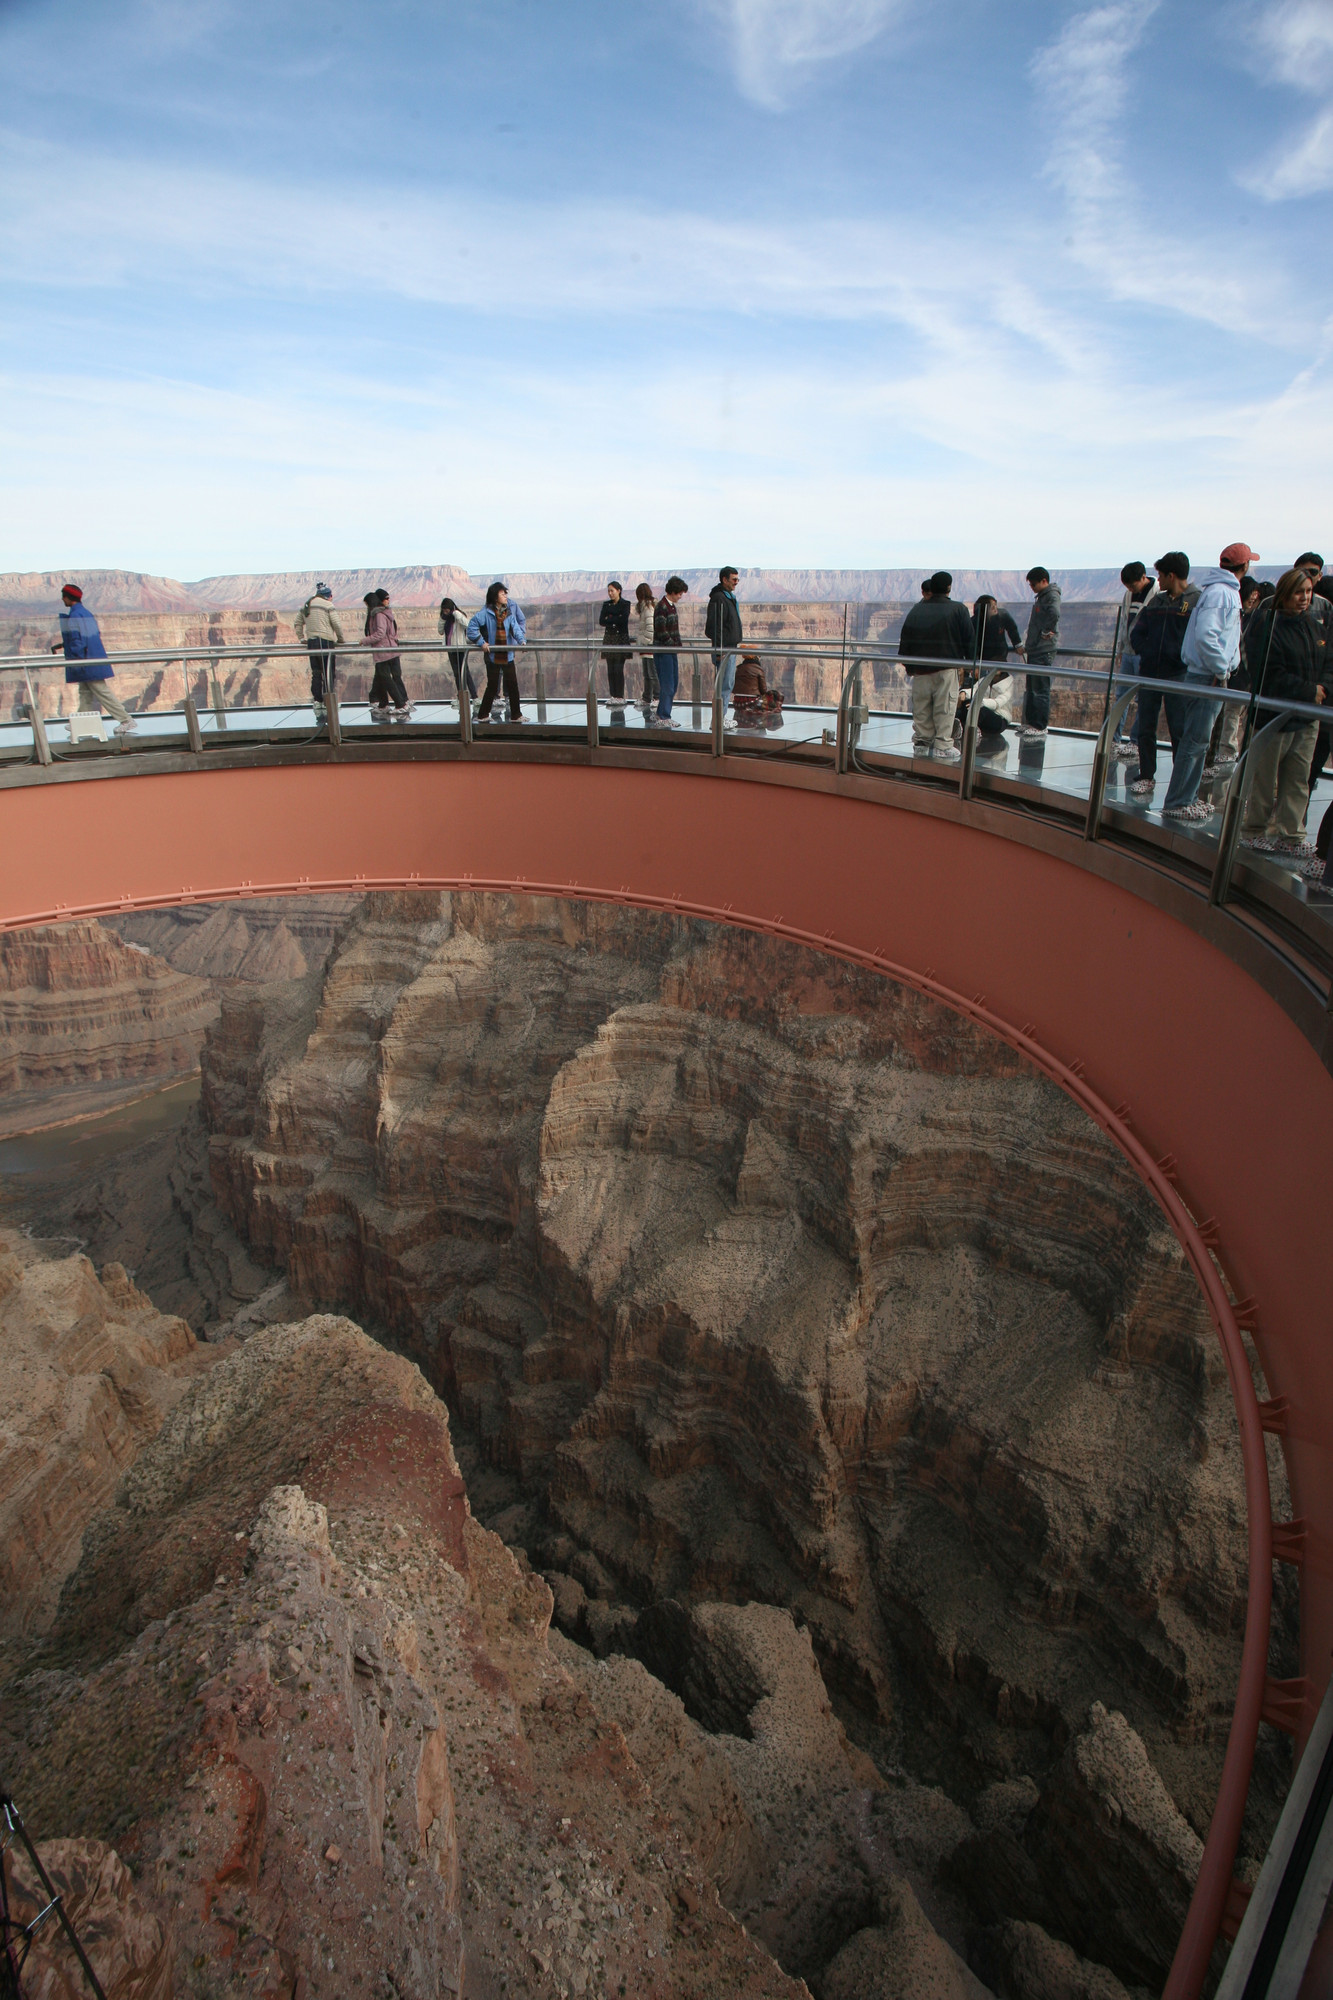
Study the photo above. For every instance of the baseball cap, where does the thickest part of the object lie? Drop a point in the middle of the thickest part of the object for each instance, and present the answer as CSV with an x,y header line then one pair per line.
x,y
1238,555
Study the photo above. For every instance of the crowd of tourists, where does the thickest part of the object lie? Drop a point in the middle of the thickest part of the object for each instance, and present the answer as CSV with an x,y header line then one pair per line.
x,y
1221,630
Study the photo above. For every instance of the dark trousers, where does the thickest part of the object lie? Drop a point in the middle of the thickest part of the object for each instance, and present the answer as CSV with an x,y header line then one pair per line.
x,y
387,685
615,674
456,661
323,667
1145,736
668,671
1037,701
493,673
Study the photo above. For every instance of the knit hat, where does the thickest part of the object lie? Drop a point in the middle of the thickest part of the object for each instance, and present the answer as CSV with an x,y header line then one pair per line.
x,y
322,590
71,590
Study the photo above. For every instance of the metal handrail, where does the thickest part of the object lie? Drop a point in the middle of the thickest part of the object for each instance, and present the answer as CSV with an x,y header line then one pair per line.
x,y
1101,763
973,718
1233,807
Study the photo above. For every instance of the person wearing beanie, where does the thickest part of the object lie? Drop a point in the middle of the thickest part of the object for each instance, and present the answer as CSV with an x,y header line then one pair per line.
x,y
1210,650
86,662
319,625
936,629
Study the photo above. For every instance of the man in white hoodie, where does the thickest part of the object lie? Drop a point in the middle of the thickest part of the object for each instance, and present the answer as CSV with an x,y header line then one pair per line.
x,y
319,626
1211,652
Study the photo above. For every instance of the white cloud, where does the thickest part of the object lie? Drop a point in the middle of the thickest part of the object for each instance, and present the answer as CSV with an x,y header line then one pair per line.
x,y
1084,77
1296,37
775,43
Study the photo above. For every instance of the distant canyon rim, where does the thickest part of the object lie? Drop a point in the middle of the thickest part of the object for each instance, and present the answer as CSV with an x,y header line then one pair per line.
x,y
815,1371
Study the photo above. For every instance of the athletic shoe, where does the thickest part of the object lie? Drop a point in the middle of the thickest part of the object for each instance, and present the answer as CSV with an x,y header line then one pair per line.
x,y
1143,788
321,713
1294,850
1123,747
405,711
516,718
1033,735
946,754
1313,871
1262,843
381,715
1193,812
126,728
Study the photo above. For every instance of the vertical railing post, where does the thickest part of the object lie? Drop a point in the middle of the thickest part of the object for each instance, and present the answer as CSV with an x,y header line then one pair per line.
x,y
967,769
464,703
219,708
192,729
594,734
696,692
719,745
1101,764
334,721
40,745
541,690
1233,816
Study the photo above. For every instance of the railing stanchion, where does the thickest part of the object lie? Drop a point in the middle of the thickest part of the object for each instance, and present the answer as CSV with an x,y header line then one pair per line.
x,y
219,707
335,721
541,690
192,729
594,736
697,692
967,768
464,703
1101,764
719,745
1233,816
41,748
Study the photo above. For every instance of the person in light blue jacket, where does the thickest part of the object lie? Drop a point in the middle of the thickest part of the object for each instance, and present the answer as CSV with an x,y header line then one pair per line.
x,y
498,628
86,661
1211,652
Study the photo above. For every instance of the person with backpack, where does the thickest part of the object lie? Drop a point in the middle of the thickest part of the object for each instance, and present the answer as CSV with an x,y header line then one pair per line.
x,y
387,685
86,662
322,630
498,628
452,628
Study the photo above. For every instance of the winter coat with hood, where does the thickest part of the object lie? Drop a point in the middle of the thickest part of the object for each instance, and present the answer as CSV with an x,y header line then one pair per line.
x,y
318,620
1158,633
722,620
937,629
1043,626
1211,647
1290,668
83,645
382,632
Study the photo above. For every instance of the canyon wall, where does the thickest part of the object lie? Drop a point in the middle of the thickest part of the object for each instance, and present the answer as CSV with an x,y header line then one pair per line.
x,y
747,1275
87,1022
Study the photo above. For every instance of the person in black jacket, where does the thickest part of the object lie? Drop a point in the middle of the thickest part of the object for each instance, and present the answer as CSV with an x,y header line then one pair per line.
x,y
936,629
722,624
1156,637
614,621
1284,657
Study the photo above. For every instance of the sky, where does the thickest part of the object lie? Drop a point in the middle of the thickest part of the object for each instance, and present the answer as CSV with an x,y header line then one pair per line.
x,y
545,284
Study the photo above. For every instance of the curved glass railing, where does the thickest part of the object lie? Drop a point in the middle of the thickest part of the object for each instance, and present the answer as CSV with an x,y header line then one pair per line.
x,y
1078,772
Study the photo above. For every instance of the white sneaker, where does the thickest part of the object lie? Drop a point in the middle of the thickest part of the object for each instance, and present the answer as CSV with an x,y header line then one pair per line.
x,y
1193,812
381,715
1143,788
1033,735
126,728
945,753
403,714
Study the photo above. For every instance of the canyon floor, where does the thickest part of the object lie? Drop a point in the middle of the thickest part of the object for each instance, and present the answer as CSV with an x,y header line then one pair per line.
x,y
610,1457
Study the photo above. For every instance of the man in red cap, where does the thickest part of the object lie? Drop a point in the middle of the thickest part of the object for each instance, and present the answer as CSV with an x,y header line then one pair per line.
x,y
1211,652
87,661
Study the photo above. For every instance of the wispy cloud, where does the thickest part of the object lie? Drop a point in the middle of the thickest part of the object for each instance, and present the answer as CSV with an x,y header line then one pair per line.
x,y
1084,77
778,43
1297,38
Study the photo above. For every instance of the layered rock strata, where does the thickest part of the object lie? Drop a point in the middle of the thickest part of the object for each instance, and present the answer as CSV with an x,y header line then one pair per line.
x,y
752,1276
87,1022
260,939
310,1702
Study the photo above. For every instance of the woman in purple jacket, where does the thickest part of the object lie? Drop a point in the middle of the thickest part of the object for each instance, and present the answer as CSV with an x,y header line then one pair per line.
x,y
382,632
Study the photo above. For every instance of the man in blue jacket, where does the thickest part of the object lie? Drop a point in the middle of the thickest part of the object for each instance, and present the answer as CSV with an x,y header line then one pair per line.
x,y
1211,652
88,664
498,628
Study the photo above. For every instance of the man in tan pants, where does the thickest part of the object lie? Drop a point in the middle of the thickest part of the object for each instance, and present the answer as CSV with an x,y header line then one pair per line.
x,y
936,629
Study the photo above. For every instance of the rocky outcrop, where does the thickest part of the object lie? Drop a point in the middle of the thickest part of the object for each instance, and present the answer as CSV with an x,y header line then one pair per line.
x,y
127,1947
311,1703
260,940
88,1370
749,1276
86,1022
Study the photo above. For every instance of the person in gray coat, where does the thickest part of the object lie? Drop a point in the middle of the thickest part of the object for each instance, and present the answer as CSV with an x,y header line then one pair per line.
x,y
1039,648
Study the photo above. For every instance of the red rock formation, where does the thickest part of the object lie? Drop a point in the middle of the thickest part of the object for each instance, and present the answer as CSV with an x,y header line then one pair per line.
x,y
87,1022
754,1276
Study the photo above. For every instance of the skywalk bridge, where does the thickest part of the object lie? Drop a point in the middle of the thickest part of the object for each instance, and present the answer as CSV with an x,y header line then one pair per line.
x,y
1176,985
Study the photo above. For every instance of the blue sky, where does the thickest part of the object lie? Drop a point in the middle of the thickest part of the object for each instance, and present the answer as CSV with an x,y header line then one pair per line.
x,y
551,283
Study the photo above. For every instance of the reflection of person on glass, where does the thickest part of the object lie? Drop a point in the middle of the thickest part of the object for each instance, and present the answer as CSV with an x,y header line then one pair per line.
x,y
498,628
452,628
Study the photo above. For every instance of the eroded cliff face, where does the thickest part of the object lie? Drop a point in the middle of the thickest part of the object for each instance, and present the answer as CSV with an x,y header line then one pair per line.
x,y
750,1276
87,1022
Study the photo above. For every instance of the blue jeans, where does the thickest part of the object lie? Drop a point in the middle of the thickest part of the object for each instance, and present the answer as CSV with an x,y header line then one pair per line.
x,y
668,673
1129,667
1197,717
726,674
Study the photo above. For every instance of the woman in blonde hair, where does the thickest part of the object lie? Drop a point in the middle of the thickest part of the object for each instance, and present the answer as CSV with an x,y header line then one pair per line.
x,y
644,605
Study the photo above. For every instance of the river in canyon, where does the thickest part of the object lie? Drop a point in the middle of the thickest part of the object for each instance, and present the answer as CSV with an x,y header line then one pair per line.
x,y
814,1368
